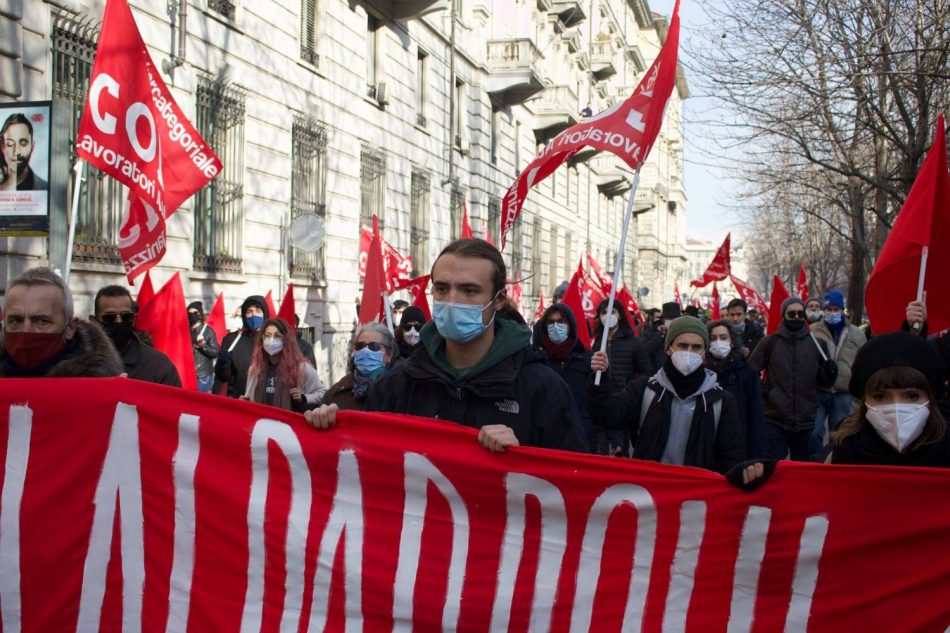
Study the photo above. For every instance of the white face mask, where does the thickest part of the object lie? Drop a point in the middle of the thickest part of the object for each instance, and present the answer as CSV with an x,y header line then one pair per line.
x,y
686,362
899,424
720,349
411,336
610,321
273,345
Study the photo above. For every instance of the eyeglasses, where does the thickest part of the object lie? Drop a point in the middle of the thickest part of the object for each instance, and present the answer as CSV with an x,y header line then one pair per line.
x,y
112,317
412,327
795,314
374,346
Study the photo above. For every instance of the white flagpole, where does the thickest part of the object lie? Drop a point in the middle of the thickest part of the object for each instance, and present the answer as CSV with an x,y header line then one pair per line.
x,y
920,279
77,185
617,262
387,306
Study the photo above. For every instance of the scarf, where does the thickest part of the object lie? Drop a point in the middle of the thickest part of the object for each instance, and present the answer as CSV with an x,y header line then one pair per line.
x,y
557,351
685,386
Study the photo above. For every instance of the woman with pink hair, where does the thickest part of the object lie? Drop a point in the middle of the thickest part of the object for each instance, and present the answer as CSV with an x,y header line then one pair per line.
x,y
279,374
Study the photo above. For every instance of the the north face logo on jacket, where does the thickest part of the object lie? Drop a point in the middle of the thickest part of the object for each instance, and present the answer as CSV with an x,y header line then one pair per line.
x,y
508,406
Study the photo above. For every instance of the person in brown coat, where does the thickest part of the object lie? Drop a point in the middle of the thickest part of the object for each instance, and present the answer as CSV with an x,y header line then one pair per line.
x,y
372,353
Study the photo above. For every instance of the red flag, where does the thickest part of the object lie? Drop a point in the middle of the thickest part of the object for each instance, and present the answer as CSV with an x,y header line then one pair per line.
x,y
779,294
633,310
715,303
590,294
515,296
539,313
719,268
575,301
167,323
466,227
488,234
271,309
288,309
417,287
605,280
627,129
398,268
802,285
146,292
750,296
923,222
677,297
132,129
371,305
217,319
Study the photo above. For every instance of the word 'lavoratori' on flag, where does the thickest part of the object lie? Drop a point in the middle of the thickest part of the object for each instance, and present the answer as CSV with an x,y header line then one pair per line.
x,y
225,515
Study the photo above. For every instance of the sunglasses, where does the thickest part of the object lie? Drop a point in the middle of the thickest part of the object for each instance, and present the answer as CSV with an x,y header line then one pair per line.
x,y
126,317
374,346
795,314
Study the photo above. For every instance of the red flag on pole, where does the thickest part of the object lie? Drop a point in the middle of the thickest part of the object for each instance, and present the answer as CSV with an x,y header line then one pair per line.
x,y
604,280
591,294
288,309
627,301
719,268
217,318
715,303
575,301
539,313
628,129
922,227
466,227
417,287
271,308
165,320
515,294
371,305
677,297
802,286
750,296
398,268
779,294
132,129
146,292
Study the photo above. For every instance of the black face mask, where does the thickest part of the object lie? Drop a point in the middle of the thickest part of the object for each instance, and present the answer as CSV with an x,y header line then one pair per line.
x,y
120,333
193,319
794,325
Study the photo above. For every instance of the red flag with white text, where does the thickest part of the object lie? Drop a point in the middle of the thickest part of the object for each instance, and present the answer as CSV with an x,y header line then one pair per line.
x,y
398,269
515,296
165,319
749,295
719,268
628,129
133,130
605,280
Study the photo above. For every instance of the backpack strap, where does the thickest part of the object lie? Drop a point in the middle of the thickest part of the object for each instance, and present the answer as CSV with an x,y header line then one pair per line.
x,y
645,403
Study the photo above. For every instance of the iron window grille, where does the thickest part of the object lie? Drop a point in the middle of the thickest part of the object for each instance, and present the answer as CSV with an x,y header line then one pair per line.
x,y
308,190
372,185
494,218
219,206
539,280
419,221
222,7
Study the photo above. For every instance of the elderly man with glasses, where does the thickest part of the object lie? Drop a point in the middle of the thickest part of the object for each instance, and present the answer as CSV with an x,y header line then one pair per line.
x,y
115,312
796,364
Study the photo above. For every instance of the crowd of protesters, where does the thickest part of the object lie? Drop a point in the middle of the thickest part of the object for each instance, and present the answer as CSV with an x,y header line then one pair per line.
x,y
671,387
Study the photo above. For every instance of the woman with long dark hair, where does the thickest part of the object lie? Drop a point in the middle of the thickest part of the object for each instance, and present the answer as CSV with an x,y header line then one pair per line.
x,y
279,374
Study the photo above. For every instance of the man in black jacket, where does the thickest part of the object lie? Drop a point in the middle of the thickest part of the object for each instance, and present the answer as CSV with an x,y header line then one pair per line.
x,y
473,368
680,415
234,358
750,332
204,345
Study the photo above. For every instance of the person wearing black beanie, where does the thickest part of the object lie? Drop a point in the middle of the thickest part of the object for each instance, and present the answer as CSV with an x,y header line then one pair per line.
x,y
408,337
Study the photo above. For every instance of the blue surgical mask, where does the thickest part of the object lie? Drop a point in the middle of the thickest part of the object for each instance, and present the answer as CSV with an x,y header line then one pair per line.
x,y
368,362
254,322
833,318
460,322
557,332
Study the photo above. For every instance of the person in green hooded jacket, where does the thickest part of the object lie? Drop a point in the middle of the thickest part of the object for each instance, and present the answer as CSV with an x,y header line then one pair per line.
x,y
475,369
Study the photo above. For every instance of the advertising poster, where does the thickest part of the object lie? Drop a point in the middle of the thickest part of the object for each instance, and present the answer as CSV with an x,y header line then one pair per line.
x,y
24,168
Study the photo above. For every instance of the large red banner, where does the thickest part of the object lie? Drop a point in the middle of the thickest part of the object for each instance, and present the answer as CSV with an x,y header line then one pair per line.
x,y
132,506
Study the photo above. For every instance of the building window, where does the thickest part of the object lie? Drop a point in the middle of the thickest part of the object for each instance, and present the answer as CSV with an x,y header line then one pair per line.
x,y
219,205
372,56
517,249
372,185
456,208
419,222
422,63
458,116
308,190
308,31
222,7
567,257
494,218
102,199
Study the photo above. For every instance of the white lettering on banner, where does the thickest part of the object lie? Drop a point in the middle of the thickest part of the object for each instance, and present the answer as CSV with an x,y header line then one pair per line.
x,y
183,564
298,523
745,583
588,572
128,168
635,120
419,472
133,230
146,255
346,518
178,132
553,540
18,455
105,123
692,526
806,573
122,475
139,111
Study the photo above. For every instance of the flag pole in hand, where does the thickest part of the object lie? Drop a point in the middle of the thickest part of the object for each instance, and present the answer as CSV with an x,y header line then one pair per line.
x,y
920,281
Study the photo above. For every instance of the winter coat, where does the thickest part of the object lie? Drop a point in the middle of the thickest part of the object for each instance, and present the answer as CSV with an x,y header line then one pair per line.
x,y
144,362
653,343
794,371
751,334
575,369
742,381
518,391
234,359
867,447
308,382
711,445
207,353
88,354
850,341
341,394
627,355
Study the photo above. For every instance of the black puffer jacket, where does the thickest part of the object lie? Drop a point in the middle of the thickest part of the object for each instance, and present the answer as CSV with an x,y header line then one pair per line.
x,y
625,351
520,392
575,369
867,447
794,372
234,358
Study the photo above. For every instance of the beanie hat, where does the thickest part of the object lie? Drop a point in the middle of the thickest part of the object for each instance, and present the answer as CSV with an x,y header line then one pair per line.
x,y
412,314
197,305
671,310
685,325
897,349
789,302
833,299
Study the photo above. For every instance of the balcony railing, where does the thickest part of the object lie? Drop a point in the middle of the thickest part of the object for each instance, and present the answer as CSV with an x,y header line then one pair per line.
x,y
515,74
571,12
603,55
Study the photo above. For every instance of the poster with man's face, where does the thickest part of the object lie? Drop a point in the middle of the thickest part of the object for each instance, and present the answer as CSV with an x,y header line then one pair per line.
x,y
24,168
